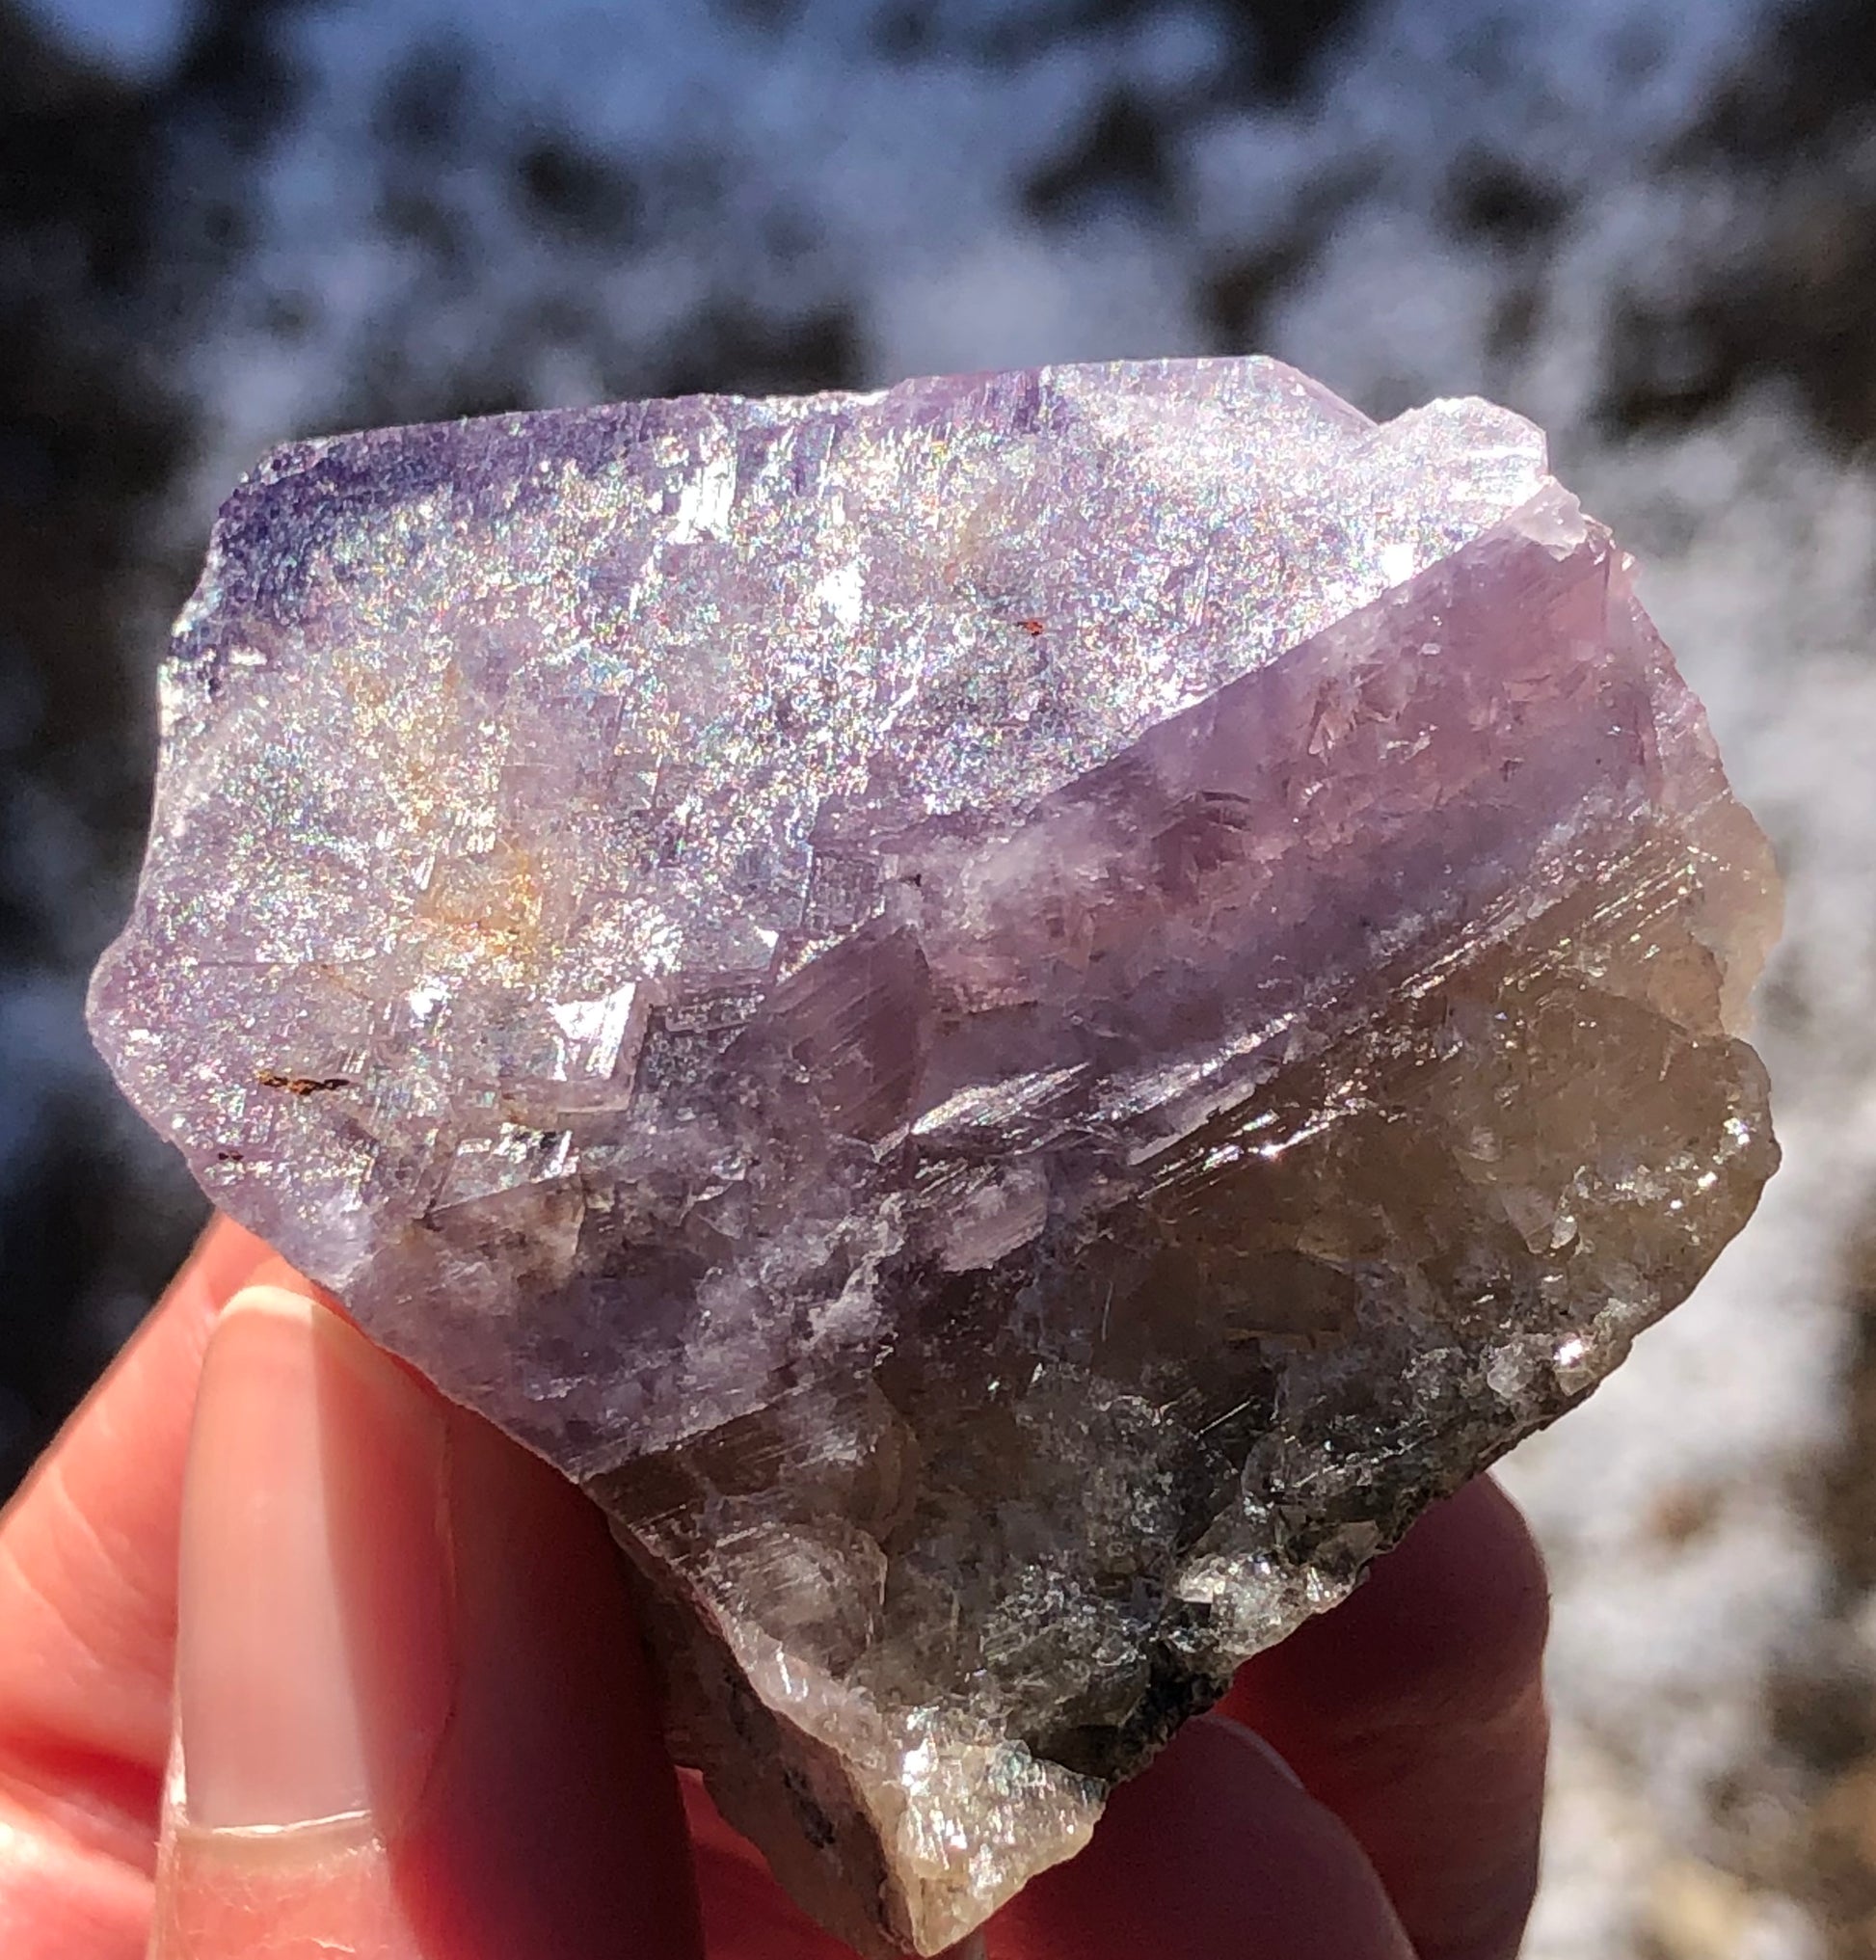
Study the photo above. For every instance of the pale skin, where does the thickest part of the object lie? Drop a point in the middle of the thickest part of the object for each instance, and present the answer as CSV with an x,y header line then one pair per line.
x,y
403,1668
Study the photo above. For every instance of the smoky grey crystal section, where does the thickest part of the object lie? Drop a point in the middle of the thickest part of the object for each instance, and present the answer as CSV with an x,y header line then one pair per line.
x,y
1013,1015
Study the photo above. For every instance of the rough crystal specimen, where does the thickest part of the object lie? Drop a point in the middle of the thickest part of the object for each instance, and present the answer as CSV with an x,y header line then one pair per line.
x,y
1013,1015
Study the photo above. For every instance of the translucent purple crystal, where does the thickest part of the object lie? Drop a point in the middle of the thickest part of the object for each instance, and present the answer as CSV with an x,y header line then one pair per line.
x,y
1014,1015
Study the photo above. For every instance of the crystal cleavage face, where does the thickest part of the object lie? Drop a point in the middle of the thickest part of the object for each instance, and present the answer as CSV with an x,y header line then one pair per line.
x,y
1014,1015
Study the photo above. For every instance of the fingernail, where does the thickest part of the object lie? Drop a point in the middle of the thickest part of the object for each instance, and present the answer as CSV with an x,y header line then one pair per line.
x,y
1246,1734
315,1661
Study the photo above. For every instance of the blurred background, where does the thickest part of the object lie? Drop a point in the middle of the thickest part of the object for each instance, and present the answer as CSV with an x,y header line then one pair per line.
x,y
1650,228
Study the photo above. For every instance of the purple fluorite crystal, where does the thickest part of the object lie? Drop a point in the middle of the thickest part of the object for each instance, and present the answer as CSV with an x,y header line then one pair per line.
x,y
1013,1015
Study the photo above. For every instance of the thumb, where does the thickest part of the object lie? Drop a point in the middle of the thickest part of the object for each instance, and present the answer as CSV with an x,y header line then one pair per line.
x,y
412,1721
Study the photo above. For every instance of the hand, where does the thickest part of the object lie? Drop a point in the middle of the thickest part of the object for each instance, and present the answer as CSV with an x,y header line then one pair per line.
x,y
416,1726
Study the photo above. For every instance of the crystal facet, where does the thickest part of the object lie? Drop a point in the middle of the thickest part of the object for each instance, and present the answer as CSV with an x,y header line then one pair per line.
x,y
1013,1015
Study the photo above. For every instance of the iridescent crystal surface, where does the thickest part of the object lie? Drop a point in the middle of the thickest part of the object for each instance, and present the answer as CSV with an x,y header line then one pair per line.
x,y
1013,1015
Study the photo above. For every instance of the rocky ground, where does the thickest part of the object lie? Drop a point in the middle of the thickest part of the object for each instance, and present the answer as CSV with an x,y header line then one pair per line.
x,y
1651,229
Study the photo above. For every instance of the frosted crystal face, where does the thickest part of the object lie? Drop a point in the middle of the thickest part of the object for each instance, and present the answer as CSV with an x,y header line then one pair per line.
x,y
1014,1016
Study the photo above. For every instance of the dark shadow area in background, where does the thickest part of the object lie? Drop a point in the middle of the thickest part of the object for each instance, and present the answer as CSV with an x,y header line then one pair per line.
x,y
1789,294
87,438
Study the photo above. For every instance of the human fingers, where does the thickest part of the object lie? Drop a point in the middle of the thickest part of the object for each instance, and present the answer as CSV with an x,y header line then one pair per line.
x,y
1415,1712
88,1551
1216,1853
411,1714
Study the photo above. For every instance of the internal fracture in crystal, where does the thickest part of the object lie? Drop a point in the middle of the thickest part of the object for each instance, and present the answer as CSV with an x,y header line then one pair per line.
x,y
1013,1015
